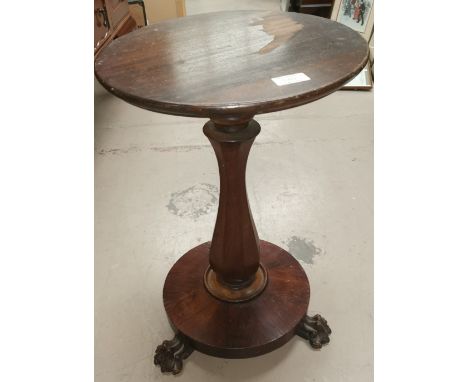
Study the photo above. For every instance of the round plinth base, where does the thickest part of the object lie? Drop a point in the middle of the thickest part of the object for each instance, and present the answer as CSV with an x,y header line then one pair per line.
x,y
242,329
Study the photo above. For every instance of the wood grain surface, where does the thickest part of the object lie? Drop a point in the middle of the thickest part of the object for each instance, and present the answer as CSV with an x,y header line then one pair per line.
x,y
222,63
237,330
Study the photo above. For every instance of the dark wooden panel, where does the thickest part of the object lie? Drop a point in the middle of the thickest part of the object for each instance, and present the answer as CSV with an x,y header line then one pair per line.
x,y
117,10
126,26
324,3
104,30
102,27
317,11
322,8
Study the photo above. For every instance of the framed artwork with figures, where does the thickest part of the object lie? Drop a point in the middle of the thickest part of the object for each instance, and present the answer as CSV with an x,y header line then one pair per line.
x,y
356,14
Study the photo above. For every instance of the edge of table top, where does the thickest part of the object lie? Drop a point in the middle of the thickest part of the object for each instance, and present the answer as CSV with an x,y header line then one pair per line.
x,y
235,109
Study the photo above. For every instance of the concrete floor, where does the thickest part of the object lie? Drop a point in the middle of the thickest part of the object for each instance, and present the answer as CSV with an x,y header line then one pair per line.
x,y
194,7
311,191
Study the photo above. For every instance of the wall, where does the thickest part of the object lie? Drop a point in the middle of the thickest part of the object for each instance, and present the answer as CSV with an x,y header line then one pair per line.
x,y
157,10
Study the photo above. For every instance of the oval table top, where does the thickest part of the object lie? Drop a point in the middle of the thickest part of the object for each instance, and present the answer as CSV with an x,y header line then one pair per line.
x,y
231,63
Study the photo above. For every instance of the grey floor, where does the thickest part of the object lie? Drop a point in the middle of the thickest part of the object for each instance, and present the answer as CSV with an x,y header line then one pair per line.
x,y
310,177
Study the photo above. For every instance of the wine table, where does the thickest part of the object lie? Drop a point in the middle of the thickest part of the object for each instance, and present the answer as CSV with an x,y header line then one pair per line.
x,y
236,296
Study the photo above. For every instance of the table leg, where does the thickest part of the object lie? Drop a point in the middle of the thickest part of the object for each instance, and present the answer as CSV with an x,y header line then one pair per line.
x,y
170,354
314,329
236,296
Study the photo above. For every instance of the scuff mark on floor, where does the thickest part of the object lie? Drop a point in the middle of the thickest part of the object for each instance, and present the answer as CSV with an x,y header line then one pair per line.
x,y
166,149
194,201
133,149
303,249
118,151
183,149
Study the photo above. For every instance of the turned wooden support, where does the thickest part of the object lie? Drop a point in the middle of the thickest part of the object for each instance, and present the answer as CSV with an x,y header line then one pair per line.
x,y
234,254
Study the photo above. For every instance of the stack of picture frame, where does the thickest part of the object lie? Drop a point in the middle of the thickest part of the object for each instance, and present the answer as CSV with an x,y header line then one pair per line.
x,y
358,15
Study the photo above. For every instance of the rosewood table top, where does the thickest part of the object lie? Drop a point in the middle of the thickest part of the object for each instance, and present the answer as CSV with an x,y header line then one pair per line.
x,y
226,62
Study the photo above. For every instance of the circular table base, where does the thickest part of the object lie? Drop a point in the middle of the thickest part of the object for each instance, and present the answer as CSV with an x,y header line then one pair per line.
x,y
242,329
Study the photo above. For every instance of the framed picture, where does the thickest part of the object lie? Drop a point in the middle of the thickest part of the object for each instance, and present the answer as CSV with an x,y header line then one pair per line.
x,y
362,81
356,14
284,5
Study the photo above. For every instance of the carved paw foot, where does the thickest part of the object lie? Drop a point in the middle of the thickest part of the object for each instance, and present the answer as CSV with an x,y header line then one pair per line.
x,y
315,330
170,354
